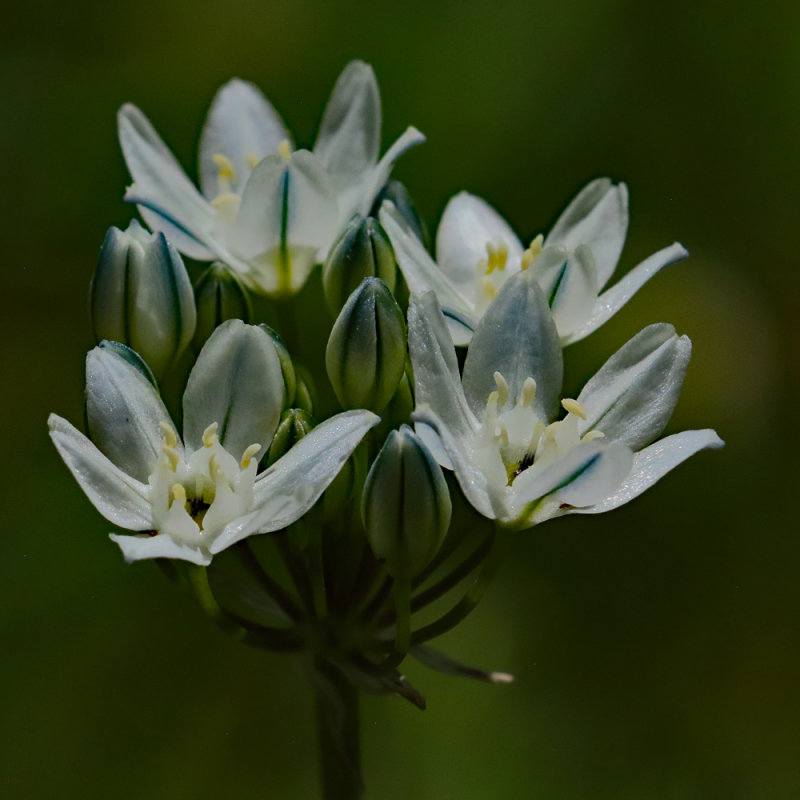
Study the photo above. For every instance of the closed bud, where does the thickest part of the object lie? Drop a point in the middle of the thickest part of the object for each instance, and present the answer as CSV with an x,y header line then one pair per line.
x,y
398,194
362,251
366,352
294,425
287,367
219,295
141,295
405,505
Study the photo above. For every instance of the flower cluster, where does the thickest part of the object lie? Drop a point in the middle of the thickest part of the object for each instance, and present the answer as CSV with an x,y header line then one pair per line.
x,y
441,382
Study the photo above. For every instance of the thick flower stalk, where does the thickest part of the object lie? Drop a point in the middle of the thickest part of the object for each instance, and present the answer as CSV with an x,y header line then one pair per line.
x,y
477,252
267,210
498,426
193,496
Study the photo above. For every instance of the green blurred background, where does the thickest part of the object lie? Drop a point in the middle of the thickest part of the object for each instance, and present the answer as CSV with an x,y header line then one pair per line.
x,y
655,648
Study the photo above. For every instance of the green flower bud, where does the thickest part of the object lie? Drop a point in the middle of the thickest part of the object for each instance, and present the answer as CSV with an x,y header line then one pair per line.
x,y
141,295
219,295
405,505
366,352
362,251
287,367
398,194
294,425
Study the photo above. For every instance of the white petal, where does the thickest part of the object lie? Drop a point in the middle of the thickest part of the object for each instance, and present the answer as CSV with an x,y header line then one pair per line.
x,y
118,497
237,383
289,488
167,199
598,217
286,203
468,225
587,474
243,126
633,395
349,136
422,274
124,410
613,299
436,379
569,281
485,498
652,463
359,198
517,338
136,548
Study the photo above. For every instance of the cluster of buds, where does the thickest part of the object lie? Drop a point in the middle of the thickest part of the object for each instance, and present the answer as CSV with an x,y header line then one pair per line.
x,y
308,501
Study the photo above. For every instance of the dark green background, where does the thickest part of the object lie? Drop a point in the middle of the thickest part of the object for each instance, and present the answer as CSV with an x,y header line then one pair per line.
x,y
655,648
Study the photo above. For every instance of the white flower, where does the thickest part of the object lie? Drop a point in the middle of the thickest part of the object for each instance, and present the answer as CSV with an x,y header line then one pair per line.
x,y
478,252
195,496
268,212
497,426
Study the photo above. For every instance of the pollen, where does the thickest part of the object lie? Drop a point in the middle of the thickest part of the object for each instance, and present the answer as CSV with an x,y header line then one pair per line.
x,y
172,455
225,165
592,435
210,437
252,159
285,150
533,250
170,437
489,288
502,389
178,494
528,393
498,255
574,407
248,454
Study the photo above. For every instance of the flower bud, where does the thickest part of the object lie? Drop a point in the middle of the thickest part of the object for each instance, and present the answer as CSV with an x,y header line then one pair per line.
x,y
219,295
398,194
294,425
287,367
141,296
366,352
362,251
406,505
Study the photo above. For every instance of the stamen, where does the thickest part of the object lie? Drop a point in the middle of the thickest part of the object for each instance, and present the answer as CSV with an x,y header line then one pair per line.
x,y
248,454
530,254
501,433
502,389
226,168
528,393
574,407
285,150
178,494
489,288
210,435
252,159
498,254
170,437
592,435
172,455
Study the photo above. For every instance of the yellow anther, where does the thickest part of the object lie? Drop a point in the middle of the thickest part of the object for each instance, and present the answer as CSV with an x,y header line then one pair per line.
x,y
528,393
170,437
178,494
498,255
489,288
574,407
210,435
252,159
530,254
592,435
172,455
502,389
285,150
226,168
248,454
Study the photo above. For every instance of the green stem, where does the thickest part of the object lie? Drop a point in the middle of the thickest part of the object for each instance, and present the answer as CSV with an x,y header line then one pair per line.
x,y
337,733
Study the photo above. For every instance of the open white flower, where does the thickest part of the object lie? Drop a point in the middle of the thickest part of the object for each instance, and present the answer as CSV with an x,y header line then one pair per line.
x,y
194,496
497,426
477,252
268,212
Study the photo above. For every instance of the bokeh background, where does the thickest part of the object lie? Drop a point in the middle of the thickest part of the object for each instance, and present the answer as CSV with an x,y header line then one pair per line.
x,y
655,648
